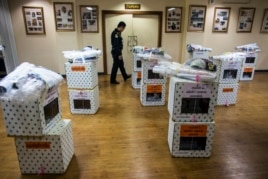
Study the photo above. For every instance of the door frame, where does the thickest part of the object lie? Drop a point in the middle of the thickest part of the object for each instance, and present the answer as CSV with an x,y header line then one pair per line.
x,y
108,12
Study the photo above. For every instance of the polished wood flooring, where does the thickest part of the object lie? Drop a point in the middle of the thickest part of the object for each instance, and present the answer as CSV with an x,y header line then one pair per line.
x,y
128,141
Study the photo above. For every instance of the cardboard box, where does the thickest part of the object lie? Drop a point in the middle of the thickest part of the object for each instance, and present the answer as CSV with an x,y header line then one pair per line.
x,y
200,54
136,79
188,139
34,118
250,59
229,69
247,73
189,101
84,101
49,154
81,75
137,63
152,94
227,94
147,73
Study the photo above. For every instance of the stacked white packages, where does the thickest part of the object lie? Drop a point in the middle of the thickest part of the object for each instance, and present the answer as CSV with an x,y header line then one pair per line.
x,y
191,102
230,69
152,91
82,80
248,68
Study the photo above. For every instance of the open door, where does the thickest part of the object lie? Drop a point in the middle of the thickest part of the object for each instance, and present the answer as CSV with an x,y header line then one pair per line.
x,y
142,28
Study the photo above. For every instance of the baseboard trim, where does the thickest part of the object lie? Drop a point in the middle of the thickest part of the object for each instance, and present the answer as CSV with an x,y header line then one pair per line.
x,y
261,70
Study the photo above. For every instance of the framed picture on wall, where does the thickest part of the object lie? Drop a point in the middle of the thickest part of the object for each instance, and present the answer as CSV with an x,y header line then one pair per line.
x,y
173,19
64,17
245,19
221,19
89,18
34,20
197,18
264,27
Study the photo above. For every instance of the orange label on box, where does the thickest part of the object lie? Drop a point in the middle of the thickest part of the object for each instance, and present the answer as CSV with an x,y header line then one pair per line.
x,y
139,75
154,88
227,90
78,68
193,130
37,145
248,69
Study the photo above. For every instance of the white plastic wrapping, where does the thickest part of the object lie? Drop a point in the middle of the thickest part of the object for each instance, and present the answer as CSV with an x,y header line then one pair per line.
x,y
153,54
195,47
27,82
86,54
183,71
138,49
248,48
1,47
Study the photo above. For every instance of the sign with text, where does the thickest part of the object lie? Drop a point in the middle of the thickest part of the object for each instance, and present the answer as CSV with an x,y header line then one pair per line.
x,y
132,6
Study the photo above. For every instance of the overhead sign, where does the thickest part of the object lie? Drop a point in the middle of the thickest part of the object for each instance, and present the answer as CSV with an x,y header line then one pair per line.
x,y
132,6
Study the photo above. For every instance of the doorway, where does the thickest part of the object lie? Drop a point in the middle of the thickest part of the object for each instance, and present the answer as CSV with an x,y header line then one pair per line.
x,y
143,28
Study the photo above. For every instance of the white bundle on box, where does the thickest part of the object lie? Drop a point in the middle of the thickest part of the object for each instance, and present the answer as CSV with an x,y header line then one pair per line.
x,y
19,73
138,49
31,102
184,71
27,82
154,54
85,55
198,51
253,47
195,47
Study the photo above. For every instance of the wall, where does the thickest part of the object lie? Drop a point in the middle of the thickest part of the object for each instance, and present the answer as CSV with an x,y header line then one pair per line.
x,y
226,42
46,50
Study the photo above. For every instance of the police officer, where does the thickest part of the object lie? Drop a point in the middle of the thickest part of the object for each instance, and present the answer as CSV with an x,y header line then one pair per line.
x,y
117,47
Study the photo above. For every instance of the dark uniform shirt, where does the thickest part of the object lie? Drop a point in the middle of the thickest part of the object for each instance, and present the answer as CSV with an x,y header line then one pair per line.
x,y
117,43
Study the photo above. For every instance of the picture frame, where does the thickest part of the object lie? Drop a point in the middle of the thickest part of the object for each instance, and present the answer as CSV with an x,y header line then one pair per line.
x,y
221,19
34,20
89,16
245,19
173,19
197,18
64,16
264,27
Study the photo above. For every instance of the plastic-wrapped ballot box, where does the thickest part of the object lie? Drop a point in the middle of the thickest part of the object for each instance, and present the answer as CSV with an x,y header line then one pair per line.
x,y
247,73
32,118
148,76
250,59
49,154
190,139
136,79
137,63
230,66
84,101
227,93
152,94
189,101
81,75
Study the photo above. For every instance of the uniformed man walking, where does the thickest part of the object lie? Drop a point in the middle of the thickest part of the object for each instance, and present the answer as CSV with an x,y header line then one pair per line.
x,y
117,47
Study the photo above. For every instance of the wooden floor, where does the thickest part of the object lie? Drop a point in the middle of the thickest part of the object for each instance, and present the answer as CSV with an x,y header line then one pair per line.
x,y
128,141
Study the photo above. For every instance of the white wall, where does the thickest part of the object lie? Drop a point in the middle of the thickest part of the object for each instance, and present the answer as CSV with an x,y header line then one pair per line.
x,y
46,50
226,42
